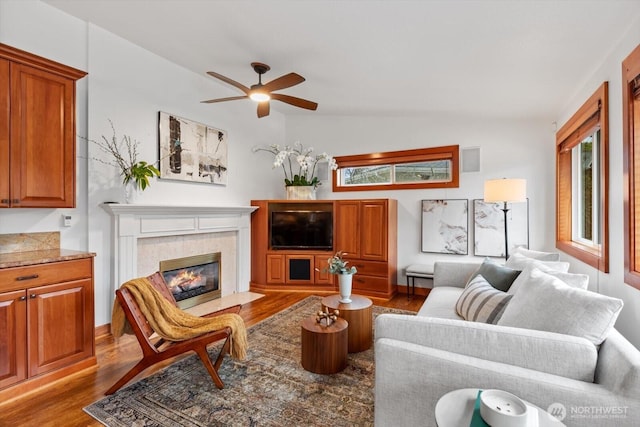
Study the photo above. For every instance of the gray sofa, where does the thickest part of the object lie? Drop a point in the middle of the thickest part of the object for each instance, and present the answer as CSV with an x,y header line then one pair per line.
x,y
420,358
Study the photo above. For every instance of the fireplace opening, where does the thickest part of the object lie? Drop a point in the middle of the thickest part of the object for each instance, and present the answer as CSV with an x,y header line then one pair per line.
x,y
193,280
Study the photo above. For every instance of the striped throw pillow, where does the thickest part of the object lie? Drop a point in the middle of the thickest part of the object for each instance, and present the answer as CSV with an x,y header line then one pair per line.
x,y
481,302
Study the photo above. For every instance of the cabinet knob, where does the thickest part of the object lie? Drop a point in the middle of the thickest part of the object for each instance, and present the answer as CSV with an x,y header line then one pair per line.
x,y
32,296
22,298
14,201
5,201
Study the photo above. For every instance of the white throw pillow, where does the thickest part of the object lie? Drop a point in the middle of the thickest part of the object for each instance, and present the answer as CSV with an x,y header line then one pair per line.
x,y
545,303
542,256
580,281
520,262
481,302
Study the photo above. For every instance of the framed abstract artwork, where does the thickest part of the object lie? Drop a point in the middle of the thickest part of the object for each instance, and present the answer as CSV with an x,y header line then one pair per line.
x,y
488,227
445,226
191,151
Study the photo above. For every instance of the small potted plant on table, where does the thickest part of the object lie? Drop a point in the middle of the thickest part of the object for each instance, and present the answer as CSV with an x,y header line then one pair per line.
x,y
337,265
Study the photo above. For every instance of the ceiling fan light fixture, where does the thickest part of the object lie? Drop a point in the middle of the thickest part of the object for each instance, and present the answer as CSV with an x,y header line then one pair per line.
x,y
259,96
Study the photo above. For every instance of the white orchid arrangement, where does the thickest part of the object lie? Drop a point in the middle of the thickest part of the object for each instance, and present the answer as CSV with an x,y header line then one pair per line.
x,y
300,158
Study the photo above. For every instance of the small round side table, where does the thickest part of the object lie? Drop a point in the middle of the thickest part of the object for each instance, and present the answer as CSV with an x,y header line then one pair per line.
x,y
359,314
456,409
324,348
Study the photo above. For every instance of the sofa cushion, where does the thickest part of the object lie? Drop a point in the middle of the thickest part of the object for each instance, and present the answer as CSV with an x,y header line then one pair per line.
x,y
499,276
542,256
545,303
520,262
481,302
580,281
441,303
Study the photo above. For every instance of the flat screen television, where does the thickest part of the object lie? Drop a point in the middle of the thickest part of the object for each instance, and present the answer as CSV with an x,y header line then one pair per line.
x,y
301,229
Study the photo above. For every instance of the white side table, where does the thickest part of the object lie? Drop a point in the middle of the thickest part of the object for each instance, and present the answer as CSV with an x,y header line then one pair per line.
x,y
455,409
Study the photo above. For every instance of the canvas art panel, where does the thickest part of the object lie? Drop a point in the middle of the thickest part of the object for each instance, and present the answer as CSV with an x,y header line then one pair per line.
x,y
192,151
445,226
488,227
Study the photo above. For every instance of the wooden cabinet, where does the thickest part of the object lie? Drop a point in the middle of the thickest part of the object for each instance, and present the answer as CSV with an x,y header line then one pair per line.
x,y
47,323
364,229
37,145
13,326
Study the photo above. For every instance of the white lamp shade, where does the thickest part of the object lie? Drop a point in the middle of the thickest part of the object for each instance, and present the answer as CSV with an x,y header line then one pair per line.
x,y
505,190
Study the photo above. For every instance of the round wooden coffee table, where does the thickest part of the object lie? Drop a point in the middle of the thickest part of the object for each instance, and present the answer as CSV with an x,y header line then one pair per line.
x,y
324,348
359,314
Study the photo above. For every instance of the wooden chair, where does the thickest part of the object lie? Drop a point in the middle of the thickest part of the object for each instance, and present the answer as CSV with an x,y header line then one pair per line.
x,y
162,350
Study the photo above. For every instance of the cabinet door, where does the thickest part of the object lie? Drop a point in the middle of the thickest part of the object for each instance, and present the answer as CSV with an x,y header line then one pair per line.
x,y
13,338
373,224
42,138
275,269
299,269
323,277
60,325
4,133
347,232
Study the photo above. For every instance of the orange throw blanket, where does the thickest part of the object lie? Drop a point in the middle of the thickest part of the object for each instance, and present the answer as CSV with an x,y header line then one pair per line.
x,y
174,324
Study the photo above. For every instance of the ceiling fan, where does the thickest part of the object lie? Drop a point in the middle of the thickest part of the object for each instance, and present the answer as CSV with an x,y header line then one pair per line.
x,y
262,93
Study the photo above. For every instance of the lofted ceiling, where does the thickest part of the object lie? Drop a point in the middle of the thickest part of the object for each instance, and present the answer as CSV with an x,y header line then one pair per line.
x,y
494,58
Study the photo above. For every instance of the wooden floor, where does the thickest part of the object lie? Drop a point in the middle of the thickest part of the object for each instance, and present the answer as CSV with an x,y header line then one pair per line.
x,y
61,403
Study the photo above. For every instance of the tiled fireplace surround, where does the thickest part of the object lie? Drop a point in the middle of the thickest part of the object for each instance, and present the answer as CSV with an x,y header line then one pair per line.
x,y
144,235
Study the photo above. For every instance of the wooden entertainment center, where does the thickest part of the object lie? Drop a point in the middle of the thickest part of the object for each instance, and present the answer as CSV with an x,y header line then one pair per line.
x,y
291,241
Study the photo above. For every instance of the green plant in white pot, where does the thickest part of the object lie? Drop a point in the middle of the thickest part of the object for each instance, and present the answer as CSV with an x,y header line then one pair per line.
x,y
338,266
124,152
300,168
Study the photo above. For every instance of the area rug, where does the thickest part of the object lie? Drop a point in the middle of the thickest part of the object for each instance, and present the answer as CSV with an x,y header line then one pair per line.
x,y
269,388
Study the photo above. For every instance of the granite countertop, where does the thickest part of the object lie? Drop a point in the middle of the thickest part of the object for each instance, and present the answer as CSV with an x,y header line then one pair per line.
x,y
21,259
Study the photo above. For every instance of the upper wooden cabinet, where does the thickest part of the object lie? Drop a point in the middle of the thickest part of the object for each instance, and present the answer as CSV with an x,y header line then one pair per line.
x,y
37,131
366,231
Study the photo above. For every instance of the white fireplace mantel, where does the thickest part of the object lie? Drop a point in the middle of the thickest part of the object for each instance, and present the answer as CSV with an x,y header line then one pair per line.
x,y
133,222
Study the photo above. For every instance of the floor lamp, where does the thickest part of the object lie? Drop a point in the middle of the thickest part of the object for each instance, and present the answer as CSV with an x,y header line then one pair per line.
x,y
505,191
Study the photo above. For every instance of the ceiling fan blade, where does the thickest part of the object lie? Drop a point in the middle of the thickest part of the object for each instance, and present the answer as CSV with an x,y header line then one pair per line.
x,y
298,102
229,81
263,109
283,82
233,98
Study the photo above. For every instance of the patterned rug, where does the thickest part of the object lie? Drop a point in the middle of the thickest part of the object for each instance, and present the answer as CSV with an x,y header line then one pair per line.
x,y
269,388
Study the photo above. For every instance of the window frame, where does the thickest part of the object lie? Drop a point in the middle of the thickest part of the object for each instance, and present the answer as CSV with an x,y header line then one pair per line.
x,y
449,152
630,145
592,114
577,189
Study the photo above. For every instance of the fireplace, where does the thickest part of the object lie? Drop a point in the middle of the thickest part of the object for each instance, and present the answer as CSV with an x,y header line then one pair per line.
x,y
194,279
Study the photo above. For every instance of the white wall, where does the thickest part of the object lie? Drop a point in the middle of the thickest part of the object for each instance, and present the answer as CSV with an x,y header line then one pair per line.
x,y
613,283
45,31
129,86
509,148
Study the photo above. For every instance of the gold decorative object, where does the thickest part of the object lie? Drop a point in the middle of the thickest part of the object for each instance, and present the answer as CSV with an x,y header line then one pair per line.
x,y
328,316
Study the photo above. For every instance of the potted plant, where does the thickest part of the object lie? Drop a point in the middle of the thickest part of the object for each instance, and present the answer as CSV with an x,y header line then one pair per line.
x,y
299,167
135,173
337,265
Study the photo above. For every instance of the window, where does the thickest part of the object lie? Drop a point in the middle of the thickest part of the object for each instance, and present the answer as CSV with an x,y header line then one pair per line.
x,y
581,175
423,168
631,166
585,185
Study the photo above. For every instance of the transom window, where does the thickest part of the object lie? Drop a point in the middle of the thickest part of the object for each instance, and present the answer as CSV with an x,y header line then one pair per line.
x,y
423,168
